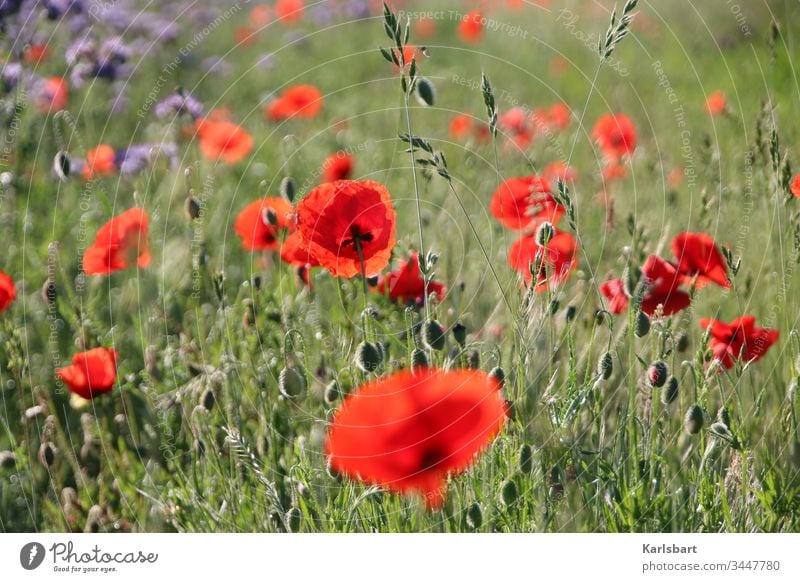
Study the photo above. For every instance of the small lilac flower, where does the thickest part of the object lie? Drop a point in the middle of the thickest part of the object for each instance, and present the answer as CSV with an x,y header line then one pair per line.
x,y
178,103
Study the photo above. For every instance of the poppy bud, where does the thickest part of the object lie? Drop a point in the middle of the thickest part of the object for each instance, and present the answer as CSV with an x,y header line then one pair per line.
x,y
657,374
193,208
256,282
474,359
294,518
642,327
570,312
605,366
694,419
62,165
269,217
249,317
721,430
47,454
292,382
8,460
526,459
498,375
724,416
460,334
474,516
433,335
368,356
93,519
419,359
683,343
545,233
670,393
208,399
426,92
508,492
288,188
555,304
332,392
49,292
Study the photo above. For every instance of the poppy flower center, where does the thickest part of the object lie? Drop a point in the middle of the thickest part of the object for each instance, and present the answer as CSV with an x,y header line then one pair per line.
x,y
356,237
431,458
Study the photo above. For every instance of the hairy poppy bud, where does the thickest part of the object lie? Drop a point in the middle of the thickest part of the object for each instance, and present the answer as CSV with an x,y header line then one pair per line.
x,y
460,334
269,217
721,430
545,233
332,392
474,516
526,459
49,292
193,207
682,343
694,419
498,375
670,393
208,399
368,356
47,454
657,374
419,359
642,327
62,165
508,492
426,92
474,359
288,188
433,335
294,518
292,382
724,416
570,312
605,366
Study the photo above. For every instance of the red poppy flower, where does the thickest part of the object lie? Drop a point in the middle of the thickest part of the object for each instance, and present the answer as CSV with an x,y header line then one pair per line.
x,y
244,35
424,28
470,29
295,252
92,373
460,126
8,292
339,166
121,243
615,134
260,223
614,171
520,203
697,256
304,101
662,281
52,95
223,140
557,117
289,11
516,125
260,15
410,53
559,170
338,220
100,161
36,53
407,432
556,261
739,339
795,187
406,285
716,103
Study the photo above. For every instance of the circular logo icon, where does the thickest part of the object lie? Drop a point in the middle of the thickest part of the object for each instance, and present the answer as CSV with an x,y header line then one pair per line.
x,y
31,555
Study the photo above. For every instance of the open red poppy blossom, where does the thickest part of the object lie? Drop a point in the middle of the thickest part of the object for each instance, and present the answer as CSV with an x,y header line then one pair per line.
x,y
795,187
8,291
223,140
615,134
260,15
339,166
662,282
346,221
557,117
698,257
716,103
100,161
521,203
52,94
289,11
121,243
304,101
517,126
260,223
294,252
406,285
739,339
470,29
460,126
92,373
36,54
555,262
559,170
407,432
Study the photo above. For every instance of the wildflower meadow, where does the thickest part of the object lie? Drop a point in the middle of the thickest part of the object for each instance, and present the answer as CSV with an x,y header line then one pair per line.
x,y
346,266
